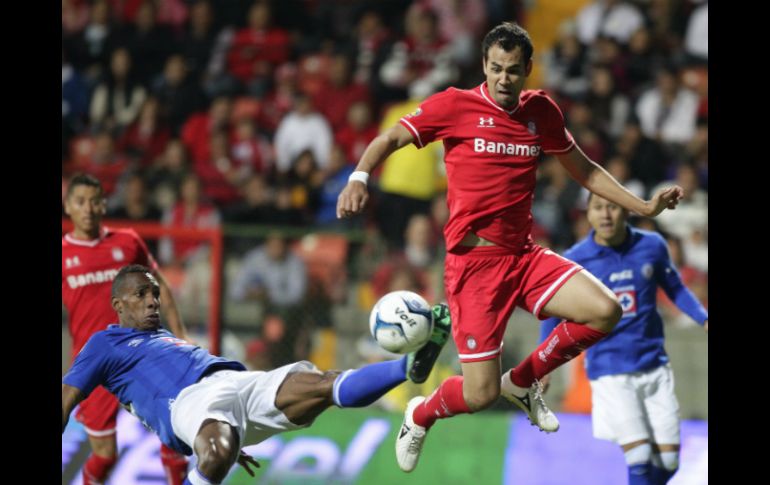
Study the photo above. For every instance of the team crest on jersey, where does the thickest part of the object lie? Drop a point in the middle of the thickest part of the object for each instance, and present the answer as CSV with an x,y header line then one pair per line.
x,y
471,343
486,122
416,112
531,127
647,271
117,254
72,262
627,298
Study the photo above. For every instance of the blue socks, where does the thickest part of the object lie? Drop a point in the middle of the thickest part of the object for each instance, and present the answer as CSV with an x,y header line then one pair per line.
x,y
641,474
360,387
661,476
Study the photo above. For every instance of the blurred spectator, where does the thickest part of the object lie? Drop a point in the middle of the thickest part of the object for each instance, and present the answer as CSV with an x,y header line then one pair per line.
x,y
74,103
116,101
668,111
697,151
302,129
286,213
148,41
219,174
339,93
463,23
421,63
357,132
255,205
74,16
581,123
276,277
178,95
335,178
146,138
564,64
256,50
280,100
134,203
199,128
89,49
646,159
608,52
104,163
250,152
618,167
691,214
408,181
305,180
370,35
191,210
611,18
556,193
198,40
696,42
610,108
166,173
640,61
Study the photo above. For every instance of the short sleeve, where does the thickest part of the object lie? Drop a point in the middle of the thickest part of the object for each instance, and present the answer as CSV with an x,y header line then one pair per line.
x,y
87,371
434,119
555,136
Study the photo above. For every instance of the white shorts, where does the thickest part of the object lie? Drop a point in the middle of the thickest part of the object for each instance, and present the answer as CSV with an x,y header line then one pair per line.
x,y
237,398
636,406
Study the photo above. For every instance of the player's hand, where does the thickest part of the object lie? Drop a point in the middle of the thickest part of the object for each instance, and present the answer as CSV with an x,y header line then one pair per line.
x,y
245,460
666,198
352,199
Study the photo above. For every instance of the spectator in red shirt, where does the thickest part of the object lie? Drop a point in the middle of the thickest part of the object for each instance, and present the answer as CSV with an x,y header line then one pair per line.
x,y
340,92
198,129
257,49
357,132
145,139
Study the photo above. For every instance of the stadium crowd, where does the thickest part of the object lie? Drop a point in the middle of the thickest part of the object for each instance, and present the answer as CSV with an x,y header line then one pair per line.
x,y
201,112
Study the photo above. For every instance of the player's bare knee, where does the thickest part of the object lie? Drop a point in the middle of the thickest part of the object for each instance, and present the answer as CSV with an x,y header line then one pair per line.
x,y
217,451
608,314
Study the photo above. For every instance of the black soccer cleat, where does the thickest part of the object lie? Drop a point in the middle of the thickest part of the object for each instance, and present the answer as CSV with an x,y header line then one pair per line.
x,y
421,361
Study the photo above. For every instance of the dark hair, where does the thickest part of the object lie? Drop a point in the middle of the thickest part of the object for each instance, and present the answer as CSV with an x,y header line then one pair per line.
x,y
84,179
117,283
508,35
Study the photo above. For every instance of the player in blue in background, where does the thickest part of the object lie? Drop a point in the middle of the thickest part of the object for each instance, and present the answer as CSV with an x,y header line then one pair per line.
x,y
632,386
196,402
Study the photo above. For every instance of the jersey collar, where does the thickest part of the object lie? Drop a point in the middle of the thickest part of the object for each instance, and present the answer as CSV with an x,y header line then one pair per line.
x,y
488,98
90,243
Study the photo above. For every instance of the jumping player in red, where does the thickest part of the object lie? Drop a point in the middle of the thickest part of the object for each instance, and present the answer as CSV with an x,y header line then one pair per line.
x,y
91,257
493,135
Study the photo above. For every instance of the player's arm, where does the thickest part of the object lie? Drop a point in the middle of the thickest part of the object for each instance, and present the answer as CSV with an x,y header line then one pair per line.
x,y
594,178
169,308
679,294
353,197
70,397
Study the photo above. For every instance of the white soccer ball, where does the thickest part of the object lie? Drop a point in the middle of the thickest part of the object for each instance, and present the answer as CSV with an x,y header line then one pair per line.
x,y
401,322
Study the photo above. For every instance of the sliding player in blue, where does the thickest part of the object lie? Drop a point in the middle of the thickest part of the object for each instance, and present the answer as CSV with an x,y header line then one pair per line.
x,y
632,386
198,403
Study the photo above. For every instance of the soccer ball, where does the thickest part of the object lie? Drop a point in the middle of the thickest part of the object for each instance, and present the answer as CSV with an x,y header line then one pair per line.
x,y
401,322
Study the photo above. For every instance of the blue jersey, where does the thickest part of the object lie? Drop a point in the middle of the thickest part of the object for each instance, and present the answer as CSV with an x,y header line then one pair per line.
x,y
145,370
633,271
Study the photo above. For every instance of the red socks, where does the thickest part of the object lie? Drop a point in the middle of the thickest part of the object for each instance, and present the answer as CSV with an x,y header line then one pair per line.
x,y
445,401
97,468
174,464
566,341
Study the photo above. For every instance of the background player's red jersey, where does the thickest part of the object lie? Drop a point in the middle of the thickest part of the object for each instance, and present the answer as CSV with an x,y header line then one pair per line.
x,y
88,268
491,159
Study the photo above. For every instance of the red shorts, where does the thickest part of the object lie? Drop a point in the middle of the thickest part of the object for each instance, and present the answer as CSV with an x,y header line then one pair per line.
x,y
99,413
485,283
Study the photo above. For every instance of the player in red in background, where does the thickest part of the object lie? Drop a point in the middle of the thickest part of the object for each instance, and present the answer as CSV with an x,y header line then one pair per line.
x,y
91,257
493,135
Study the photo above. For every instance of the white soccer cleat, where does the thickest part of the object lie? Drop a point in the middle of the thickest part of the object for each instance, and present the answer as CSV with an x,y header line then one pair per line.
x,y
531,402
410,438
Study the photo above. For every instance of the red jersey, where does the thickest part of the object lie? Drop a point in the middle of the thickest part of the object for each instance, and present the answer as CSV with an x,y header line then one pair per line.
x,y
491,159
87,269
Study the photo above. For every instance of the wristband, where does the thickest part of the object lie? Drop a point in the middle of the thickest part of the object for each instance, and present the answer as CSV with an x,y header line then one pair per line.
x,y
359,176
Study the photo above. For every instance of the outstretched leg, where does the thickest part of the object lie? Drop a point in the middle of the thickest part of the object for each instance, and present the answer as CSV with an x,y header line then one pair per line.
x,y
217,447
